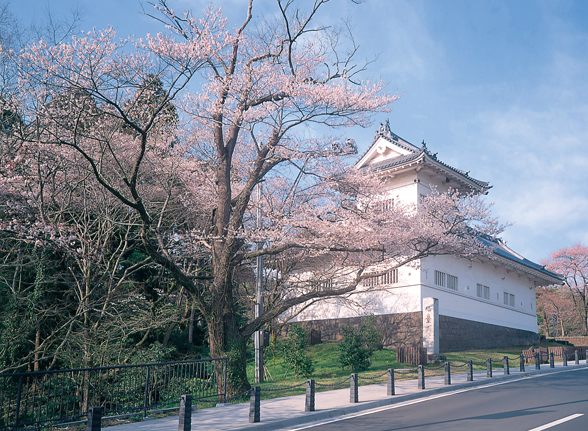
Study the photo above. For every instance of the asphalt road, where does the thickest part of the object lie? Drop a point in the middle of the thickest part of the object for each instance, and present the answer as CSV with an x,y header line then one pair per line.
x,y
555,402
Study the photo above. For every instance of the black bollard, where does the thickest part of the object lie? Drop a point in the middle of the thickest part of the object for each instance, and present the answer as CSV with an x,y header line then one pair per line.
x,y
551,362
506,366
254,404
576,357
470,374
521,363
391,390
447,373
537,362
421,377
309,403
94,419
488,367
185,418
565,358
353,389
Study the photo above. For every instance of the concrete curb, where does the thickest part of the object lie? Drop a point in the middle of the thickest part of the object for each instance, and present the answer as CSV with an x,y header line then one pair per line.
x,y
307,418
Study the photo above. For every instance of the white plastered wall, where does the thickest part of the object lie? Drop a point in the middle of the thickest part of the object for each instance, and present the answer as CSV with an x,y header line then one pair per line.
x,y
465,303
401,297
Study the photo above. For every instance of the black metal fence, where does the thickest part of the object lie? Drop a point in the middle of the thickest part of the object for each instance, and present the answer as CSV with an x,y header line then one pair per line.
x,y
30,400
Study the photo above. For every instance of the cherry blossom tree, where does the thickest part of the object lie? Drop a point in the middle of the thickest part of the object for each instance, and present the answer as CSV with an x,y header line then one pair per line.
x,y
554,300
572,263
256,104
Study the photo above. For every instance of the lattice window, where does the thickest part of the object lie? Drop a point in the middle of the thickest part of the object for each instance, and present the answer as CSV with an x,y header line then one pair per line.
x,y
389,277
483,291
445,280
384,205
451,282
440,278
509,299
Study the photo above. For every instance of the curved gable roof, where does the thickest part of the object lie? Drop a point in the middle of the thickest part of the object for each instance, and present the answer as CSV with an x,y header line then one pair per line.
x,y
403,154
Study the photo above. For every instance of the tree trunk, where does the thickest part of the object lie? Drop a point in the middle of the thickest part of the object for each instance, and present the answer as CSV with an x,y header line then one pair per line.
x,y
191,325
37,346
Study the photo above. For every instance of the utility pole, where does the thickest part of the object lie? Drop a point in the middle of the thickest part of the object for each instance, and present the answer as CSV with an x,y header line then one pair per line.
x,y
258,336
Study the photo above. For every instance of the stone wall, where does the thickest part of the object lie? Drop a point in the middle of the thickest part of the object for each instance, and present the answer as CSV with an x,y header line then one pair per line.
x,y
576,341
397,329
459,334
407,330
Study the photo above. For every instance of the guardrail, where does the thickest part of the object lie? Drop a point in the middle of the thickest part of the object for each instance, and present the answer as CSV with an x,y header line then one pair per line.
x,y
42,398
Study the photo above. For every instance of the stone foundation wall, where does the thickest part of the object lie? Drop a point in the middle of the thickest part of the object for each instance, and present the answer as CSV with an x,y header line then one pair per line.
x,y
459,334
407,330
576,341
397,329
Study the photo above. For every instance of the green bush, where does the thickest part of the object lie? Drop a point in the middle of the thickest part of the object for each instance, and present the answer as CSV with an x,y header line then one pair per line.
x,y
358,345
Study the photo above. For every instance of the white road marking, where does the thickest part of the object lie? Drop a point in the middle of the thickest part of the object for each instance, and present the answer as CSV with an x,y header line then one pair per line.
x,y
433,397
561,421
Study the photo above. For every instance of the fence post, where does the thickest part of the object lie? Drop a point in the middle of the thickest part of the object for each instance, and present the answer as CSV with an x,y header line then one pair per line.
x,y
95,419
537,362
521,363
489,367
551,364
18,395
185,418
353,389
470,374
309,404
421,377
145,399
565,358
576,357
254,404
506,366
391,390
225,363
447,373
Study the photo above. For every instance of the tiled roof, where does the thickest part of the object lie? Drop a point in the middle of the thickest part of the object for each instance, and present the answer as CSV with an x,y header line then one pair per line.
x,y
500,249
416,154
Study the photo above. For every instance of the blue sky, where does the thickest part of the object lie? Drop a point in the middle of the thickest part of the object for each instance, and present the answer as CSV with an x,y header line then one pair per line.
x,y
498,88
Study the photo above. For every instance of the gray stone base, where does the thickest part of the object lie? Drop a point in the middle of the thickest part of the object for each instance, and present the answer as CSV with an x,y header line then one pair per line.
x,y
460,334
397,329
406,330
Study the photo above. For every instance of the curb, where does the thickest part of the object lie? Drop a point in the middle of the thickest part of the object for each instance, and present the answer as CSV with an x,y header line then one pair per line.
x,y
396,399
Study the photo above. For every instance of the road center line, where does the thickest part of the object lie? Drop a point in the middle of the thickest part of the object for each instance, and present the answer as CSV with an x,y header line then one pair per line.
x,y
561,421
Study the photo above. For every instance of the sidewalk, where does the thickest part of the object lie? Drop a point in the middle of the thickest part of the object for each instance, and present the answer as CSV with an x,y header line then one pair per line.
x,y
289,412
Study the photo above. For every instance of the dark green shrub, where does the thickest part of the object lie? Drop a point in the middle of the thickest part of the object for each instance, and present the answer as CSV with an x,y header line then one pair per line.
x,y
359,344
293,352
